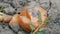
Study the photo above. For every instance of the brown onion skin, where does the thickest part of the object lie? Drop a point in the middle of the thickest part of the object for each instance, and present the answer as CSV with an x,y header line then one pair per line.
x,y
26,25
43,14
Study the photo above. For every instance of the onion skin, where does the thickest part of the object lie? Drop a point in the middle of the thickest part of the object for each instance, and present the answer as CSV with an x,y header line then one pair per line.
x,y
20,18
37,23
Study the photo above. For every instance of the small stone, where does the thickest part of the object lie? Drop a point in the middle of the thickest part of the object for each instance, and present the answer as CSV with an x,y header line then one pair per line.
x,y
22,32
15,27
9,10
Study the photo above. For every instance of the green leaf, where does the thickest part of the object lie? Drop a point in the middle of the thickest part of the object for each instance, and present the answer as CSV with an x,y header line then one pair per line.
x,y
39,16
47,19
42,29
40,32
32,26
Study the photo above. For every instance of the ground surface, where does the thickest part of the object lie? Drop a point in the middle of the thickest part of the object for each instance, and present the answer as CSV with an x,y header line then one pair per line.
x,y
14,6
